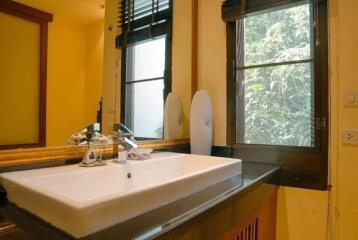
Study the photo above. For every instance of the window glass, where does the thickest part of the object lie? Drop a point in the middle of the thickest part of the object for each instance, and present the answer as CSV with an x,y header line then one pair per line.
x,y
283,35
275,101
148,60
146,103
278,105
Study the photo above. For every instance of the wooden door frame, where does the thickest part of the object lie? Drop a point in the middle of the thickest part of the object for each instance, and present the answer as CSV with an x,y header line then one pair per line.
x,y
42,18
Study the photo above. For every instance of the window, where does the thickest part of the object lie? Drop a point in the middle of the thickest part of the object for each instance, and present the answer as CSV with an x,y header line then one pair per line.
x,y
146,64
278,86
275,74
144,88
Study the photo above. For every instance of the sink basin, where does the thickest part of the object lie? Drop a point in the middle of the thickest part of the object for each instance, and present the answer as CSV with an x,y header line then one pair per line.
x,y
81,201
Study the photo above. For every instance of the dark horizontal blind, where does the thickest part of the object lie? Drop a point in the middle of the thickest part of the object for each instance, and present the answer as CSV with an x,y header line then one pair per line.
x,y
142,19
133,10
234,9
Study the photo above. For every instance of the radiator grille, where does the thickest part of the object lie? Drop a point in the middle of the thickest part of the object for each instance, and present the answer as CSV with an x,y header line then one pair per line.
x,y
249,231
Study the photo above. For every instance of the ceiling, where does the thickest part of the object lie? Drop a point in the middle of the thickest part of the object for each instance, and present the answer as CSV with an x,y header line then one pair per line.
x,y
81,11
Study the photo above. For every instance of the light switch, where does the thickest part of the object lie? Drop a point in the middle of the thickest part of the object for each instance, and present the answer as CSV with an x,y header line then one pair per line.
x,y
350,99
350,136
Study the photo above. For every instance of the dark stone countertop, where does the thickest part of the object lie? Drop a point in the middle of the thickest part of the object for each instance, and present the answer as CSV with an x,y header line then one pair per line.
x,y
161,220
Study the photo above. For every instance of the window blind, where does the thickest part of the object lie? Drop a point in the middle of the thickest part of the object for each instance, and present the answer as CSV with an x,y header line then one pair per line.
x,y
234,9
143,19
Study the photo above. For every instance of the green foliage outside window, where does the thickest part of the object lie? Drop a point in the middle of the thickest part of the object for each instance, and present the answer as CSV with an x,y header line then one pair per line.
x,y
278,99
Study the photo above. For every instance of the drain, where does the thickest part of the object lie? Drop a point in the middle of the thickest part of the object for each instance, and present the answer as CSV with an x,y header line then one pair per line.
x,y
129,175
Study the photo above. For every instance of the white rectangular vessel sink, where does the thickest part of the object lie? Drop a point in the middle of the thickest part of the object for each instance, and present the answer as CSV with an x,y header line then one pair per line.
x,y
81,201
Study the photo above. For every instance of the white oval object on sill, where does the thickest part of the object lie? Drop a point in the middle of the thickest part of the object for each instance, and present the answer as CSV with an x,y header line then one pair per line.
x,y
201,123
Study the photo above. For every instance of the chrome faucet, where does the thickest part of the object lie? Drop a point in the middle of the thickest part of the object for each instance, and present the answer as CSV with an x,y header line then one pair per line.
x,y
122,136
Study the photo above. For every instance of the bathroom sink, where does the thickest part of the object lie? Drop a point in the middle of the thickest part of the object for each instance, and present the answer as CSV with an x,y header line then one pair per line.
x,y
82,201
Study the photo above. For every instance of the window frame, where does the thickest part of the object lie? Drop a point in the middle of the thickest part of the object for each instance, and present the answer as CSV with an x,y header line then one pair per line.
x,y
167,74
301,166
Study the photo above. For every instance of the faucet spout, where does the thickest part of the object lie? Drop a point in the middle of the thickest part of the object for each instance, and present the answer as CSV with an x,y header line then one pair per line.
x,y
122,136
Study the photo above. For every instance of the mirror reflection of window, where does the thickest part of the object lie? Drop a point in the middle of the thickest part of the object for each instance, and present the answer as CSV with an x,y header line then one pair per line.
x,y
145,88
145,43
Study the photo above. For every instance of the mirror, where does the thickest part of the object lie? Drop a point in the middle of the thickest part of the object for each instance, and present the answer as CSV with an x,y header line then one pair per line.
x,y
63,72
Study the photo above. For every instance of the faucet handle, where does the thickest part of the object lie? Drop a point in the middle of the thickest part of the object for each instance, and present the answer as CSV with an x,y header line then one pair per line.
x,y
90,158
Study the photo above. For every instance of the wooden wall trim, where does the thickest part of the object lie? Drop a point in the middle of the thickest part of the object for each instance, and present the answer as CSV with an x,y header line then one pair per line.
x,y
194,49
21,10
43,83
40,155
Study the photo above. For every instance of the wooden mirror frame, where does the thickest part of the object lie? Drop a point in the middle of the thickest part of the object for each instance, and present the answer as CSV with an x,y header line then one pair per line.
x,y
53,154
42,18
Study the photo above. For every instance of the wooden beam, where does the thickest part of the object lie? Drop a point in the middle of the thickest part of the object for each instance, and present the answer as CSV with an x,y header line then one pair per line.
x,y
194,49
24,11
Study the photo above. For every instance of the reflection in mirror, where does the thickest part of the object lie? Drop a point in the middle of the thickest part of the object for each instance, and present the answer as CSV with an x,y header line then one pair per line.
x,y
145,87
47,105
173,117
86,77
154,52
92,133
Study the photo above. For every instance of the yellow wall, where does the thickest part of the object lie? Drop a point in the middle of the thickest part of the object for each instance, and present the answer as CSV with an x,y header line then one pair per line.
x,y
19,80
111,68
181,56
94,69
65,80
74,79
75,68
344,69
301,213
181,62
212,62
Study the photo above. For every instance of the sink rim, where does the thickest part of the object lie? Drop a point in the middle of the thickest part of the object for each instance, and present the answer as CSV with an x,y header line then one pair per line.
x,y
25,182
82,222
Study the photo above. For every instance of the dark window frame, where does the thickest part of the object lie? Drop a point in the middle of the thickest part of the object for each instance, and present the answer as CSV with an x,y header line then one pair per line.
x,y
167,76
301,166
42,18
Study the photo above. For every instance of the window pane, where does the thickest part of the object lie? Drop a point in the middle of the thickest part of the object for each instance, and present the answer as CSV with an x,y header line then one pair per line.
x,y
277,106
146,60
144,108
278,36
